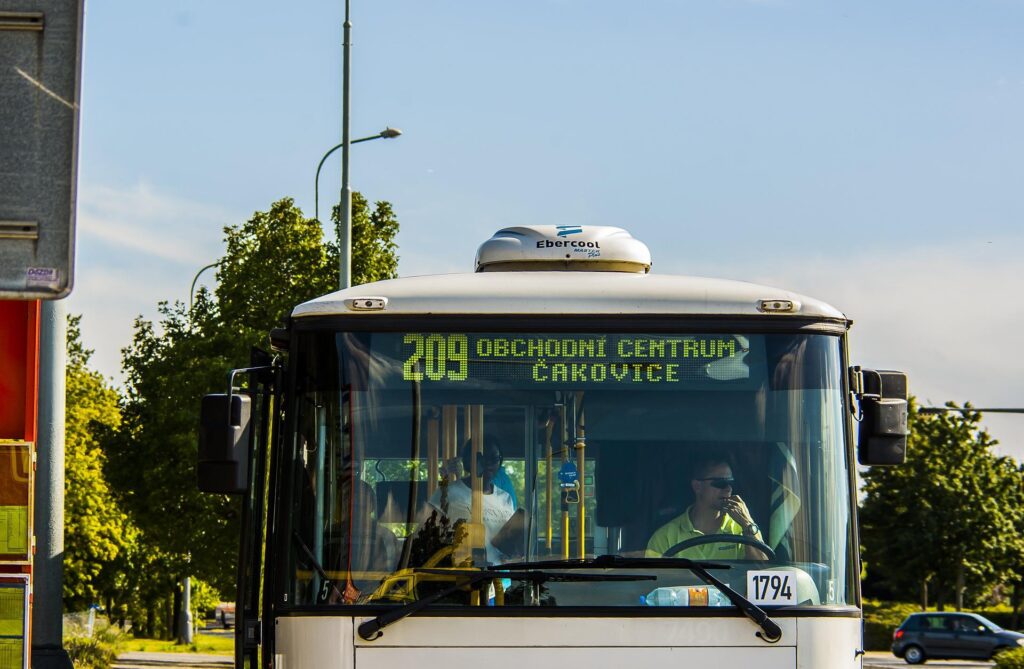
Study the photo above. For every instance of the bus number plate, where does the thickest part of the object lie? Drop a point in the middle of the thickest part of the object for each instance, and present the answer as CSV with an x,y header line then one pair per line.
x,y
775,586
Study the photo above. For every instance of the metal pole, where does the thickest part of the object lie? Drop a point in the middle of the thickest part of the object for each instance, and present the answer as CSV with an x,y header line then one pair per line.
x,y
345,234
581,463
47,623
186,611
192,290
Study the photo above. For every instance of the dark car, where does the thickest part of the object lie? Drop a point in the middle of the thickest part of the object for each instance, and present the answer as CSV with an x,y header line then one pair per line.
x,y
951,636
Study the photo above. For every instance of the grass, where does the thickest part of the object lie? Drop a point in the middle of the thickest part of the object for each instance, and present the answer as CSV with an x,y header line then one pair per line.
x,y
1011,659
209,644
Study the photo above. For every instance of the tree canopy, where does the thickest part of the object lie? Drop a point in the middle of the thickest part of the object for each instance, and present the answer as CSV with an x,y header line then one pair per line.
x,y
98,536
274,261
943,524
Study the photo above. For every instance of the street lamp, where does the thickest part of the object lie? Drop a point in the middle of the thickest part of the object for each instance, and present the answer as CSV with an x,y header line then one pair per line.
x,y
192,290
386,133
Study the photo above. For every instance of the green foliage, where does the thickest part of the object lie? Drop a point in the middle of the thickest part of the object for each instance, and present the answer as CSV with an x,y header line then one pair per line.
x,y
947,517
881,619
89,653
204,599
149,582
274,261
97,534
96,652
1010,659
152,457
373,240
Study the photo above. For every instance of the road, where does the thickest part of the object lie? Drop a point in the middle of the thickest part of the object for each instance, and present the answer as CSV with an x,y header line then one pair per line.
x,y
873,660
172,661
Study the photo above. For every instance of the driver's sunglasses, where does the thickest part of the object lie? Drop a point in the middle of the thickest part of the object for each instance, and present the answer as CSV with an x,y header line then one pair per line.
x,y
720,482
489,460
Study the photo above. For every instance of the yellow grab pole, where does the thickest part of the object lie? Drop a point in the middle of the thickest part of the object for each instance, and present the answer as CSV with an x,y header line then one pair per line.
x,y
565,532
444,442
548,428
581,446
564,456
448,428
432,449
477,439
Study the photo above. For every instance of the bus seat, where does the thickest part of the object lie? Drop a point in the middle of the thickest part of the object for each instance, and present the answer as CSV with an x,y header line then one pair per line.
x,y
393,500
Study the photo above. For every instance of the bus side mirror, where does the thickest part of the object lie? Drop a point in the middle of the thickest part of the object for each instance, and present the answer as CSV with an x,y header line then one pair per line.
x,y
882,430
223,462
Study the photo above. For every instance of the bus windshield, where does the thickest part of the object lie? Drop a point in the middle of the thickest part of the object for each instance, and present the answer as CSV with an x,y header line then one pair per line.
x,y
415,456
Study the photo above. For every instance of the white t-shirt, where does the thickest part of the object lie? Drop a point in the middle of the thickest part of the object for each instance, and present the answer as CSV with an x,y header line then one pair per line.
x,y
497,509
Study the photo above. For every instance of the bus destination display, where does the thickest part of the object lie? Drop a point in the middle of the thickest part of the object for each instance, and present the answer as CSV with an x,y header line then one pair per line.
x,y
572,359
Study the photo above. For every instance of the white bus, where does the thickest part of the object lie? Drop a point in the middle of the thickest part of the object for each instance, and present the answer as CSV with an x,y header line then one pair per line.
x,y
517,467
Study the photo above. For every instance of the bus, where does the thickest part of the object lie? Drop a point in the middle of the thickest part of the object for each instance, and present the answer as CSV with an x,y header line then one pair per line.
x,y
559,459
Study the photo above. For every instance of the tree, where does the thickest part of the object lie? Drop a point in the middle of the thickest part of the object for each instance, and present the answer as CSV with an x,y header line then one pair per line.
x,y
941,522
98,536
1012,557
373,240
274,261
152,457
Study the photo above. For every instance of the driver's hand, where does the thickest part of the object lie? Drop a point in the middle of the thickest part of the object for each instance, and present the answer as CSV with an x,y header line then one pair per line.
x,y
738,511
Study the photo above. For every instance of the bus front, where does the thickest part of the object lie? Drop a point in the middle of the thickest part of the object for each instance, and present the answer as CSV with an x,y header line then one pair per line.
x,y
560,459
554,467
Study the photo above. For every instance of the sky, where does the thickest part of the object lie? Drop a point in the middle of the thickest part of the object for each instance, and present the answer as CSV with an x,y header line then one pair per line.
x,y
870,153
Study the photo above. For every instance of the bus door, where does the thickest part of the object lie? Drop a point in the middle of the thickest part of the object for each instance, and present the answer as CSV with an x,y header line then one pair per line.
x,y
248,634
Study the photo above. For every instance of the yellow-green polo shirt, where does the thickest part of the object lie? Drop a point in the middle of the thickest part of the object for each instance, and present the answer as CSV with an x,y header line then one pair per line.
x,y
681,528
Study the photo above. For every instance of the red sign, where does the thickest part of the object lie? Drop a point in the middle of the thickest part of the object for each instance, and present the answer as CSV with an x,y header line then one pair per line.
x,y
19,368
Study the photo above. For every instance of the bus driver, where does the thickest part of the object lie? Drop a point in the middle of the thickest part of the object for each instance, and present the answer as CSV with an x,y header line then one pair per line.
x,y
715,510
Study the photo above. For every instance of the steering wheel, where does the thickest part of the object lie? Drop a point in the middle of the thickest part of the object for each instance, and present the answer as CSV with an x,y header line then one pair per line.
x,y
720,538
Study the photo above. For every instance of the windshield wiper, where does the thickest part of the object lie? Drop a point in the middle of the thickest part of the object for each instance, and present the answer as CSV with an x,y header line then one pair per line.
x,y
371,629
612,562
770,630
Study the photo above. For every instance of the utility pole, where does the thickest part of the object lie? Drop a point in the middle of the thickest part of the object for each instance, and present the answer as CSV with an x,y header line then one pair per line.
x,y
345,234
47,619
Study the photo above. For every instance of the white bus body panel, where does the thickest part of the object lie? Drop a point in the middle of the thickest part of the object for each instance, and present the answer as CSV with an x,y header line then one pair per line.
x,y
548,643
565,293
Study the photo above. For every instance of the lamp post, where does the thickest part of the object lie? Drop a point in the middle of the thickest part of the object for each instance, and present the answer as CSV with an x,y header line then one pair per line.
x,y
386,133
192,290
345,229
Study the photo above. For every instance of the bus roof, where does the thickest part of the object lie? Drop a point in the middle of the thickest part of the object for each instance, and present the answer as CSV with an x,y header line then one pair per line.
x,y
566,292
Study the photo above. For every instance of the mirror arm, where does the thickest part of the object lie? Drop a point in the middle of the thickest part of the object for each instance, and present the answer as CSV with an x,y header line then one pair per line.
x,y
231,381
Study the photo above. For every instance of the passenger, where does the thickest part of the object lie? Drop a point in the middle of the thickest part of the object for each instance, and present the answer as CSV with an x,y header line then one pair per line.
x,y
497,505
715,510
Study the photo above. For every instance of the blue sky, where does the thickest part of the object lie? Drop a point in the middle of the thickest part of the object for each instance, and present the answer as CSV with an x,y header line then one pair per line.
x,y
867,153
